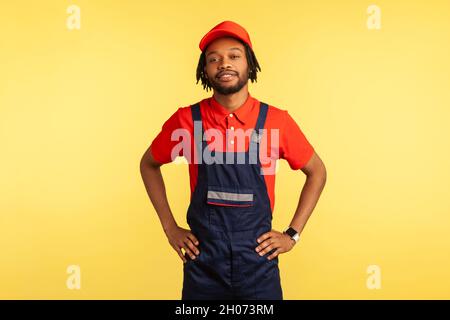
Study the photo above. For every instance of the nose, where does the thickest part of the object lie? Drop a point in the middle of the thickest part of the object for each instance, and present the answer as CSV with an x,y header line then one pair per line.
x,y
225,64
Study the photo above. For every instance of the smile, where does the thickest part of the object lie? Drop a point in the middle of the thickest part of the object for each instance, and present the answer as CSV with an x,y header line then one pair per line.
x,y
226,77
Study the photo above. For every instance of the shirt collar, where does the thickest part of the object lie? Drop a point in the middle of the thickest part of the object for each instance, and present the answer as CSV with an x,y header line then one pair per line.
x,y
242,113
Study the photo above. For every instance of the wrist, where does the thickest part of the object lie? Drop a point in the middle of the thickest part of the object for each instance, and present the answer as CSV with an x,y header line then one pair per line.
x,y
169,227
293,234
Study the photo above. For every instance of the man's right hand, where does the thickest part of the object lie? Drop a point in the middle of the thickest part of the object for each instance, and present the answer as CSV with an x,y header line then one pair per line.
x,y
180,238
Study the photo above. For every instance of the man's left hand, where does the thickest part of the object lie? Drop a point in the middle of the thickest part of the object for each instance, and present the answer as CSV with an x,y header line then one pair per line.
x,y
279,241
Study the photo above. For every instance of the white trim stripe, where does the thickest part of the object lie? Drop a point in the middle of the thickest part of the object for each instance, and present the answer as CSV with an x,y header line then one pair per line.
x,y
230,196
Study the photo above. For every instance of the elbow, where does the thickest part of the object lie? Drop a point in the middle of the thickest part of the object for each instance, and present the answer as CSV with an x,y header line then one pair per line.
x,y
145,162
318,173
143,165
321,172
324,175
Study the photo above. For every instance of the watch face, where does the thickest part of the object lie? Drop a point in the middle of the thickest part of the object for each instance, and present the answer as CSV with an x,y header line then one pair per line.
x,y
291,232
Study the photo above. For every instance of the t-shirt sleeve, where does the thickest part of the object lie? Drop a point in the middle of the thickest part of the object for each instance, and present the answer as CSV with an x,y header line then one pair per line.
x,y
162,145
294,146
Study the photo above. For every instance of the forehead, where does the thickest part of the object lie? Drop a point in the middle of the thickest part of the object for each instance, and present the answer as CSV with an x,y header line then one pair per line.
x,y
223,45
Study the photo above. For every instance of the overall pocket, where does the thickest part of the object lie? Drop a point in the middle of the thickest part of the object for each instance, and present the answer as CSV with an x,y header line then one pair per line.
x,y
231,209
230,196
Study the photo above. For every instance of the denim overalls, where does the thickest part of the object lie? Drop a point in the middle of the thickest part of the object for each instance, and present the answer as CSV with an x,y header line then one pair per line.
x,y
229,210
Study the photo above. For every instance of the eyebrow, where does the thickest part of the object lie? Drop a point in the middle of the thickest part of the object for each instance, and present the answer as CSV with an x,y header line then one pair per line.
x,y
234,48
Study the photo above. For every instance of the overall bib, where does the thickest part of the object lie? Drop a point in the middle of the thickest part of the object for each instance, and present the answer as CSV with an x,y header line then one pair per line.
x,y
229,210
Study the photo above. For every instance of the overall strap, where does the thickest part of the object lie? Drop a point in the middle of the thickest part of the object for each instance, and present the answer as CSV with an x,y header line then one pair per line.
x,y
256,136
261,116
198,128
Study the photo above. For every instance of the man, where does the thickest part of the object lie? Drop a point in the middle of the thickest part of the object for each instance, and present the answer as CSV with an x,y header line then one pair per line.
x,y
231,251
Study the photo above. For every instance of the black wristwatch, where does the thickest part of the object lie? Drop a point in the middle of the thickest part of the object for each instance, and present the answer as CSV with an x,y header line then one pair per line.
x,y
291,232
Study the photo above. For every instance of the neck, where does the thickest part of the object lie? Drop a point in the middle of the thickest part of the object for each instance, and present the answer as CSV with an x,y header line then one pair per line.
x,y
232,101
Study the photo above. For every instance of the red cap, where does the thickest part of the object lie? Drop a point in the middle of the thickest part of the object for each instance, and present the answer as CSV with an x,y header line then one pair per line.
x,y
224,29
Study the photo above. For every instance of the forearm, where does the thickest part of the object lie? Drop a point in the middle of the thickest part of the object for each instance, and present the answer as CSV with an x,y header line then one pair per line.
x,y
309,196
154,184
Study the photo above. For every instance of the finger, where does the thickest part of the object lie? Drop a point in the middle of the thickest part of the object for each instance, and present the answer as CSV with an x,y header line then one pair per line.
x,y
275,245
264,244
274,254
265,236
193,239
180,253
191,246
267,250
189,251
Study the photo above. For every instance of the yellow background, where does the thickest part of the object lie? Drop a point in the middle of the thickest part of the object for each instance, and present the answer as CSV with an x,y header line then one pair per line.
x,y
79,107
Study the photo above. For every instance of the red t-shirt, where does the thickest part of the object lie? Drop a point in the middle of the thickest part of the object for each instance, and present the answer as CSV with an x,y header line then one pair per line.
x,y
292,143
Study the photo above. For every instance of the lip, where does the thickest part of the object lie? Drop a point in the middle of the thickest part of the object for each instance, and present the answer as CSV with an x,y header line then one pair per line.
x,y
226,76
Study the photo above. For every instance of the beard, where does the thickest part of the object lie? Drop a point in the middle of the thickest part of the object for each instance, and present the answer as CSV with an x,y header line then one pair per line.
x,y
227,89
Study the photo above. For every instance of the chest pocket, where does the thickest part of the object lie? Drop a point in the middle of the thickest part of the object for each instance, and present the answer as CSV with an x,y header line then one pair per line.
x,y
232,197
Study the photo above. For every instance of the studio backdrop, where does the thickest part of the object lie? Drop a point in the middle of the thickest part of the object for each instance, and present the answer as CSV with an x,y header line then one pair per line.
x,y
85,86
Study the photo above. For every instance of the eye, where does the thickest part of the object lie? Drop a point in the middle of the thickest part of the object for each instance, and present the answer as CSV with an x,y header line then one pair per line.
x,y
235,56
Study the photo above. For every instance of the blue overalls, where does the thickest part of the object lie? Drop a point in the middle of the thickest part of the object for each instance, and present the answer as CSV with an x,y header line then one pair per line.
x,y
229,210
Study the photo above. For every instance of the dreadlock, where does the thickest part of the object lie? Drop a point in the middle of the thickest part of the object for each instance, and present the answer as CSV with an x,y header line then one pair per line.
x,y
252,62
